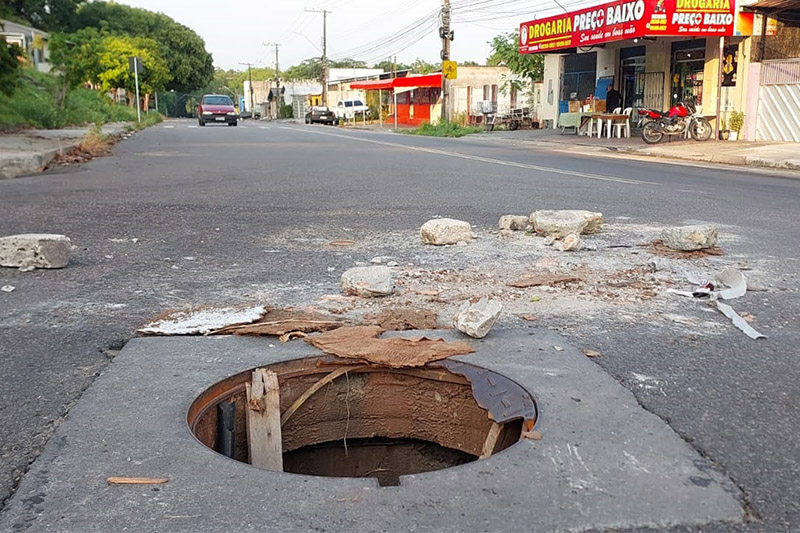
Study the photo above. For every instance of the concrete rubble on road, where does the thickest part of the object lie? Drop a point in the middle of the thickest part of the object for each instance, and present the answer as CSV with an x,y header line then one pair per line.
x,y
690,238
38,250
514,222
443,231
561,223
368,282
476,319
572,243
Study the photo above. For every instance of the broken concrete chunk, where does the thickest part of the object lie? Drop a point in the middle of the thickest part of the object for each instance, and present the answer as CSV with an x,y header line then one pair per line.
x,y
690,238
441,231
561,223
368,281
513,222
477,319
35,250
572,243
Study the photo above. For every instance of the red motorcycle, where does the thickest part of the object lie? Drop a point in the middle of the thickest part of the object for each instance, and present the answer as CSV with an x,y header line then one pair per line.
x,y
679,120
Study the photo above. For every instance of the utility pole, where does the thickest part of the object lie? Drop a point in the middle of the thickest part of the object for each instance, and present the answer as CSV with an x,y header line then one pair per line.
x,y
278,100
250,78
324,51
447,35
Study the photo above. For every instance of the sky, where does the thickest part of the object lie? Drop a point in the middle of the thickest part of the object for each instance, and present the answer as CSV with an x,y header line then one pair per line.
x,y
235,31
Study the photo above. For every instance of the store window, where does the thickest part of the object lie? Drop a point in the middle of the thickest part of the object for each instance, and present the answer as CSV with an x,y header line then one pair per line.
x,y
688,67
580,76
632,67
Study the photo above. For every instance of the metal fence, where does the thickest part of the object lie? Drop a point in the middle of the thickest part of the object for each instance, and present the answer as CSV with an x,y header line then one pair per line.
x,y
779,101
654,90
782,72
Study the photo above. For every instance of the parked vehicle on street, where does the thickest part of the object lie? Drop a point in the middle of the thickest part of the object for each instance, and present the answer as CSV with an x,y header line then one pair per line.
x,y
216,108
320,114
681,119
348,109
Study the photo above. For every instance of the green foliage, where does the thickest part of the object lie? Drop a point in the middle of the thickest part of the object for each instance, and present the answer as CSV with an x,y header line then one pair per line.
x,y
9,67
49,15
736,120
470,64
389,66
189,65
444,129
33,105
150,119
308,69
114,67
505,51
420,66
286,111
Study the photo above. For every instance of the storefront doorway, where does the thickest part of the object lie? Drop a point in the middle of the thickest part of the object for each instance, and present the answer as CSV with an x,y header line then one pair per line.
x,y
688,71
580,76
632,66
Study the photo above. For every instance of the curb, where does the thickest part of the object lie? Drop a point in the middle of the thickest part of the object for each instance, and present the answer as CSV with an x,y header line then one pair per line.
x,y
28,163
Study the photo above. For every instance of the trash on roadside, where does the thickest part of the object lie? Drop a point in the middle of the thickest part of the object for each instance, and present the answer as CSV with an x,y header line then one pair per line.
x,y
341,242
364,343
591,353
657,247
201,321
558,348
27,268
530,280
280,322
8,288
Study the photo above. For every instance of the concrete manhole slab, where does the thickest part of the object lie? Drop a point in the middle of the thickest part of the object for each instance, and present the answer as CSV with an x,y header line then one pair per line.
x,y
603,461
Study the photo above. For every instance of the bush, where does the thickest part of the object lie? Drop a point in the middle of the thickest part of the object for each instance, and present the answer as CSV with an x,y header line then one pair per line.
x,y
444,129
736,121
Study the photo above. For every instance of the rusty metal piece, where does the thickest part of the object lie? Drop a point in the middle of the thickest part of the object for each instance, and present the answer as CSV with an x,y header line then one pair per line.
x,y
502,397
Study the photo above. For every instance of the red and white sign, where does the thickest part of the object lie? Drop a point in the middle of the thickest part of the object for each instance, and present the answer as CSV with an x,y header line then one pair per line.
x,y
629,19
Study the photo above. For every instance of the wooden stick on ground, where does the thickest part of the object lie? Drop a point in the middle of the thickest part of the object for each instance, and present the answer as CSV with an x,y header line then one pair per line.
x,y
117,480
264,421
491,440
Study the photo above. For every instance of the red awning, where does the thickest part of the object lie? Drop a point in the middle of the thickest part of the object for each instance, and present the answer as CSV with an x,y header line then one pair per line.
x,y
428,80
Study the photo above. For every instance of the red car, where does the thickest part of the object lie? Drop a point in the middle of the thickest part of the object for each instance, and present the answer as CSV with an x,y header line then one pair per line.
x,y
216,108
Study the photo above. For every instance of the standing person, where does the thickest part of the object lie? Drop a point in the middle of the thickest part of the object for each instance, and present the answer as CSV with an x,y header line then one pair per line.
x,y
613,100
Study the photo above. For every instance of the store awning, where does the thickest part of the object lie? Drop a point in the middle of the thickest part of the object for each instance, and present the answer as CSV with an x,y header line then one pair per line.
x,y
428,80
634,19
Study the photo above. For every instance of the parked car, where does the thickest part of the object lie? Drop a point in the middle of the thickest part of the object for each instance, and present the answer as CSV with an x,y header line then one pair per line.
x,y
347,109
320,114
216,108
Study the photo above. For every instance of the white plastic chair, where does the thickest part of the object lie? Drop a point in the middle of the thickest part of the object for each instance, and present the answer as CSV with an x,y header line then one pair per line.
x,y
624,124
609,123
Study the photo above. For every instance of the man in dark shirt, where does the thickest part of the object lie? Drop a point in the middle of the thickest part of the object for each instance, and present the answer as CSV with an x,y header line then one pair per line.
x,y
613,99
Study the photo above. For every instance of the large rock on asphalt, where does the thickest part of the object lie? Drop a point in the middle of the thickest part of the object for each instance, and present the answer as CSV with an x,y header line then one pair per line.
x,y
563,222
513,222
689,238
35,250
368,281
477,319
441,231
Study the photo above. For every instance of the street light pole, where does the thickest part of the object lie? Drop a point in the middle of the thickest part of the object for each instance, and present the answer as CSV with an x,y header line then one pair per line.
x,y
446,35
250,79
324,51
277,80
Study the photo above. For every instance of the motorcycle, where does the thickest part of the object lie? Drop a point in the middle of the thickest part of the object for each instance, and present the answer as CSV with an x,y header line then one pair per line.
x,y
679,120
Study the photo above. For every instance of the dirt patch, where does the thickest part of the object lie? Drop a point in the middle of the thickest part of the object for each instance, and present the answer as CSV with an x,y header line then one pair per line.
x,y
405,318
657,247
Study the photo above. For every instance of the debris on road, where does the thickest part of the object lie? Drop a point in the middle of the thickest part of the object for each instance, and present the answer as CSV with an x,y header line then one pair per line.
x,y
537,280
263,420
286,323
558,348
591,353
561,223
738,321
514,222
363,343
341,242
572,243
405,318
8,288
442,231
119,480
690,238
532,435
368,282
40,250
201,321
476,319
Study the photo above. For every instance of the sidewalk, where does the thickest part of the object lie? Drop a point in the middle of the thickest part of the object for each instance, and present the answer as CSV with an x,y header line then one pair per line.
x,y
30,151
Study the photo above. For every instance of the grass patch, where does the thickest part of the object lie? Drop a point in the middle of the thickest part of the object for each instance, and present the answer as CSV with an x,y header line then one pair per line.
x,y
148,119
444,129
33,105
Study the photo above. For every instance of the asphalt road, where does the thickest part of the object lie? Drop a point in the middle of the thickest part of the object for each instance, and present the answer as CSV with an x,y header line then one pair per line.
x,y
182,215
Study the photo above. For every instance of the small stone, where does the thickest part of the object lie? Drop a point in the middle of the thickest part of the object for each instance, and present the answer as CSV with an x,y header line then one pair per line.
x,y
562,223
7,288
461,243
27,268
477,319
368,281
558,348
380,260
442,231
549,240
690,238
513,222
572,243
36,250
392,264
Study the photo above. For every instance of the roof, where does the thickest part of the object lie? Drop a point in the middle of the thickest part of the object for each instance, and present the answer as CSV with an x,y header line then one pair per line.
x,y
427,80
14,27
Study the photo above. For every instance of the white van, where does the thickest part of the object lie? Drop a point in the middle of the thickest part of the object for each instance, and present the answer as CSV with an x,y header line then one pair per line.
x,y
347,109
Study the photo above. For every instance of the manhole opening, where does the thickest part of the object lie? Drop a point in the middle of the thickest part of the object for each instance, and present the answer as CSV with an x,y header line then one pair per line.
x,y
373,422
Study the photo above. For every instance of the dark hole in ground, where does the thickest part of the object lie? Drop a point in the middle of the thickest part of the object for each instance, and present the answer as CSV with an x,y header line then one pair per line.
x,y
381,458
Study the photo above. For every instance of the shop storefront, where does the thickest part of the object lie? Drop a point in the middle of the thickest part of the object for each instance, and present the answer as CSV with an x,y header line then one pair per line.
x,y
654,52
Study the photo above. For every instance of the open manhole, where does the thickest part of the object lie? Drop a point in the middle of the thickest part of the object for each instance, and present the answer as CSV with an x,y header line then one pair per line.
x,y
373,421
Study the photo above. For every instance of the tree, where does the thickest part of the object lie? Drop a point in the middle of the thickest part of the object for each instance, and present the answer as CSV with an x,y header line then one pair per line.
x,y
9,66
75,60
190,66
50,15
470,64
114,67
389,66
505,52
420,66
308,69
